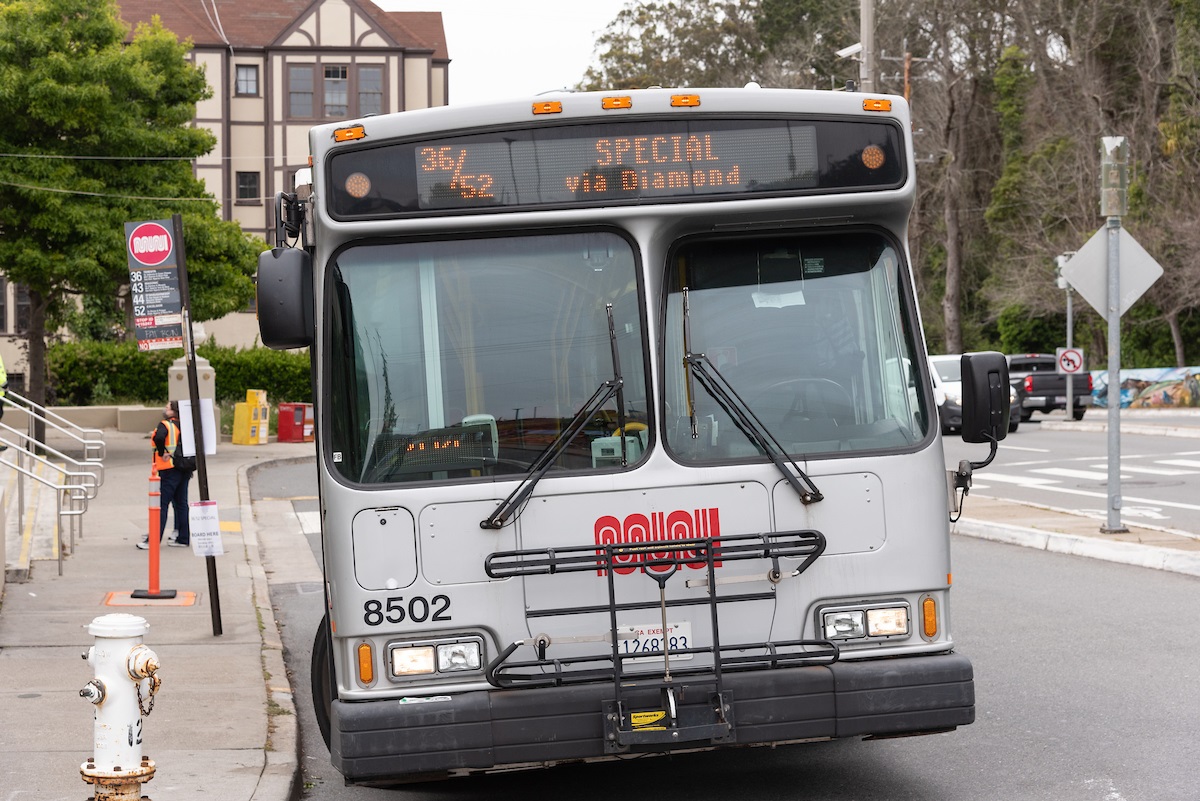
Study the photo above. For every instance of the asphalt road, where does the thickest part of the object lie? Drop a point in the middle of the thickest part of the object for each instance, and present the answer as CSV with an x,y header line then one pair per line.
x,y
1088,689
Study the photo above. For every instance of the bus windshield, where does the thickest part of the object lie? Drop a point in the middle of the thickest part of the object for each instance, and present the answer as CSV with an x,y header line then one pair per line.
x,y
808,330
465,359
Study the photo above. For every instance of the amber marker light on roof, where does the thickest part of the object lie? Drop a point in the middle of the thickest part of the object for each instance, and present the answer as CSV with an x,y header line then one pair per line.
x,y
349,134
877,104
685,101
616,102
548,107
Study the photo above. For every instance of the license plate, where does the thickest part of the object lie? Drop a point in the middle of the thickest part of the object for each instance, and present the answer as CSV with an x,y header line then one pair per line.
x,y
640,639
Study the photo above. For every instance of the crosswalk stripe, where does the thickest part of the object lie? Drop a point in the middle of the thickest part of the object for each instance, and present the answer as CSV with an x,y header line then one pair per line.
x,y
1067,472
1180,462
1150,471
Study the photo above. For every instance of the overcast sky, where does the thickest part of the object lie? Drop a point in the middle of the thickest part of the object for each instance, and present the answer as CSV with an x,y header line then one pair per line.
x,y
510,48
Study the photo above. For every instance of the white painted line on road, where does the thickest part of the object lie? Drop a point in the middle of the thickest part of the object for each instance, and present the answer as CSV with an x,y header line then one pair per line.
x,y
1047,485
1180,462
1019,448
1024,481
1151,471
1067,472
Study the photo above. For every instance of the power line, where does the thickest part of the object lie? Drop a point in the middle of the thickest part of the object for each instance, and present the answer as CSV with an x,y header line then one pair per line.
x,y
104,194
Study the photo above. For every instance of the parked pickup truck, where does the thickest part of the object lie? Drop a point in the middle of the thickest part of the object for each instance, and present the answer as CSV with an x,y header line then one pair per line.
x,y
1043,389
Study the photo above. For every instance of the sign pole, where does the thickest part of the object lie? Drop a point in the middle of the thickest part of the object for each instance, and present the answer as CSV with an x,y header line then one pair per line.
x,y
1114,156
189,350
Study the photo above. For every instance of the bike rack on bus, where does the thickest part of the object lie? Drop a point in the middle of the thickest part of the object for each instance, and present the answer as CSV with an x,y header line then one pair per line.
x,y
660,561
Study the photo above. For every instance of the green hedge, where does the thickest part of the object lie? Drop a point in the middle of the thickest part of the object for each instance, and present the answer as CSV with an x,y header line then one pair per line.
x,y
94,373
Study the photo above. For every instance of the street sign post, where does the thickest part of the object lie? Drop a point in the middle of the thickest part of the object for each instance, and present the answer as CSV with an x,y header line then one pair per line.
x,y
158,288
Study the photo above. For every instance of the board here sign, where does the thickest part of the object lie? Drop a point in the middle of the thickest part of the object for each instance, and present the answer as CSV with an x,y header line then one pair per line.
x,y
154,284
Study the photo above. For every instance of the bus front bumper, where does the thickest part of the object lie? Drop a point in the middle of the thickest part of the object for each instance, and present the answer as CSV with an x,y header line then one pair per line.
x,y
391,740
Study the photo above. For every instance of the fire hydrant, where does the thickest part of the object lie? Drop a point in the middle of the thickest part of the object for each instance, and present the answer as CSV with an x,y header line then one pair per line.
x,y
123,691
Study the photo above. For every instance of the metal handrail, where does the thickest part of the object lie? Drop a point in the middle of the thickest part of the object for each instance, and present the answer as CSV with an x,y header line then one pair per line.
x,y
77,507
59,423
97,476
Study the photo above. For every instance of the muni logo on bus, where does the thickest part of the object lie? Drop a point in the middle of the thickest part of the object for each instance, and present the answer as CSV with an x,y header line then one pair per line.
x,y
640,528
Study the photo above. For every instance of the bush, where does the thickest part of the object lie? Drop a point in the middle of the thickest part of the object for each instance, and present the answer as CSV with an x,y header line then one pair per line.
x,y
89,373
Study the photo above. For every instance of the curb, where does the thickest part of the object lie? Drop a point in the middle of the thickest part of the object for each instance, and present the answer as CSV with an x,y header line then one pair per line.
x,y
1133,428
1129,553
280,778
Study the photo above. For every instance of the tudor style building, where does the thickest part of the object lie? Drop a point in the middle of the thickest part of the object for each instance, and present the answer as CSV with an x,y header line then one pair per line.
x,y
278,67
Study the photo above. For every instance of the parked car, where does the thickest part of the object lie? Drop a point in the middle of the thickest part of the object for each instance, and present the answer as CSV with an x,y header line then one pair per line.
x,y
1044,388
947,390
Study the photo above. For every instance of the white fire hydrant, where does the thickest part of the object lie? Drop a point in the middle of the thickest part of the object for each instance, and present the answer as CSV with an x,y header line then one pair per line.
x,y
123,691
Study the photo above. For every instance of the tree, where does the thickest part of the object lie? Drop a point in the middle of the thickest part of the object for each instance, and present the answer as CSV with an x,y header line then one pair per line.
x,y
679,44
98,133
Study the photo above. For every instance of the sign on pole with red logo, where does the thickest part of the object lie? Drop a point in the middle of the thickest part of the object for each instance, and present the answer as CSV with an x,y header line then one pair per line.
x,y
154,284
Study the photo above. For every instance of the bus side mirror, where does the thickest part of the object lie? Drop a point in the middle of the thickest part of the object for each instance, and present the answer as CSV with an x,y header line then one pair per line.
x,y
985,401
285,298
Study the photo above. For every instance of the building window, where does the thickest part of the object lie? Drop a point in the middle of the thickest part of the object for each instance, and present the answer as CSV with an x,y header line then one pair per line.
x,y
370,90
3,305
300,92
337,92
22,304
248,188
247,80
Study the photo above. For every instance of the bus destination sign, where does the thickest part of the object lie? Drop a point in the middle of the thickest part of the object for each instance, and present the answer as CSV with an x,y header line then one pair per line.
x,y
632,161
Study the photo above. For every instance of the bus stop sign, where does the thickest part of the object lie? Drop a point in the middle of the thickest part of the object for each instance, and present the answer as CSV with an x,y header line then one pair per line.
x,y
1087,270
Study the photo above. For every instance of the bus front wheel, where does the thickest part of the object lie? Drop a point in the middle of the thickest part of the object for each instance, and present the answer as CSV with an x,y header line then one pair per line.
x,y
323,687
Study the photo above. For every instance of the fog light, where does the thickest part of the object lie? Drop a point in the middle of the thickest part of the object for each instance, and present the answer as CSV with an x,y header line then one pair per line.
x,y
456,656
843,625
412,661
887,622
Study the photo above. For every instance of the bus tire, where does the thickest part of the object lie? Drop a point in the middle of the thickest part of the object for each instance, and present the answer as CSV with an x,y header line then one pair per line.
x,y
323,688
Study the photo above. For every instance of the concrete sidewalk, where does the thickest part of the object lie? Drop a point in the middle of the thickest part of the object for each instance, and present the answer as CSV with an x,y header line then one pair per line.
x,y
224,725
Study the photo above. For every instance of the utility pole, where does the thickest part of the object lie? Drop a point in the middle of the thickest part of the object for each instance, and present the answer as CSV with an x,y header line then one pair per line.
x,y
866,67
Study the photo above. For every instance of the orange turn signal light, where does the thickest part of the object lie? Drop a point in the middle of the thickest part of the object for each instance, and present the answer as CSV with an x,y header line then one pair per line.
x,y
366,663
685,101
616,102
349,134
877,104
929,617
548,107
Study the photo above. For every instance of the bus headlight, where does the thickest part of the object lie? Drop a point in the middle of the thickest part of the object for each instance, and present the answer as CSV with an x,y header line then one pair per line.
x,y
887,622
844,625
412,661
866,621
458,656
436,656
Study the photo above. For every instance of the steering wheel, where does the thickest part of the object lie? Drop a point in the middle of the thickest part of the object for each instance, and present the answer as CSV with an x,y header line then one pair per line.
x,y
811,398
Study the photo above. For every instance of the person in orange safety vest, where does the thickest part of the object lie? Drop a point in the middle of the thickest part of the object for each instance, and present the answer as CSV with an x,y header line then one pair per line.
x,y
173,481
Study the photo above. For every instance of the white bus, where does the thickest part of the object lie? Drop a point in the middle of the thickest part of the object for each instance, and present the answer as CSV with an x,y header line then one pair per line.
x,y
625,433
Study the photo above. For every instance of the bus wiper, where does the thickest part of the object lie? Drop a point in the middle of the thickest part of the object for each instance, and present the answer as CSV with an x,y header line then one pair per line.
x,y
612,388
719,388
